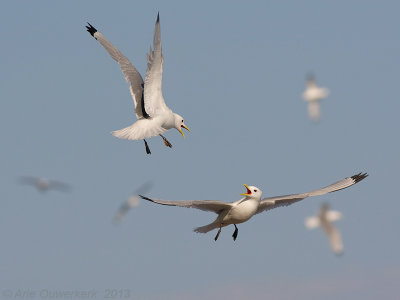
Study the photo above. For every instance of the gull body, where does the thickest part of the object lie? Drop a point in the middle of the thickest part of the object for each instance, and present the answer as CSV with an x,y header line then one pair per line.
x,y
325,219
236,212
44,184
154,116
242,210
313,95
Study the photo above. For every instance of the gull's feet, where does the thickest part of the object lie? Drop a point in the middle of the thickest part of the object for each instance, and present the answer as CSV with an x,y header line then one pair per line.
x,y
166,142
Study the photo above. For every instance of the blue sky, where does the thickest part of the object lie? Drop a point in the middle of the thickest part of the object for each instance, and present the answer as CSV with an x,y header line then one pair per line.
x,y
235,72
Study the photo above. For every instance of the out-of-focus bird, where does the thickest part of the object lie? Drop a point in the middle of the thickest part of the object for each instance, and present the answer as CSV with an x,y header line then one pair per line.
x,y
132,201
313,95
242,210
154,116
325,219
43,184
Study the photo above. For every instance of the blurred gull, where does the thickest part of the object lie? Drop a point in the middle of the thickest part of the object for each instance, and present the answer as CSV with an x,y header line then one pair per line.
x,y
132,201
325,219
313,94
242,210
154,116
43,184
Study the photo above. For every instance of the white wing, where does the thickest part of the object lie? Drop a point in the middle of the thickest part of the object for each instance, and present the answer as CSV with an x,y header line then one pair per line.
x,y
334,237
153,100
333,215
132,75
273,202
312,222
206,205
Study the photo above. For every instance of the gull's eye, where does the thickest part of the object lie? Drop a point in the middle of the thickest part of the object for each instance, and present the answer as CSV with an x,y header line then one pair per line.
x,y
255,191
182,121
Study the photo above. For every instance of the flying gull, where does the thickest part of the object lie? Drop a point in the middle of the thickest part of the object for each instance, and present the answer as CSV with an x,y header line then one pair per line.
x,y
154,116
313,94
43,184
132,201
325,219
242,210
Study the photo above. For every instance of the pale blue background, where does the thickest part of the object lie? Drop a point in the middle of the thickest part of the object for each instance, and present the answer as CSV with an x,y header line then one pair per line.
x,y
236,72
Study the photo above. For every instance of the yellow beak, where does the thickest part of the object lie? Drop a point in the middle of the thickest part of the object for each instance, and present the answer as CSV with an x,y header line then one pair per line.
x,y
180,130
248,191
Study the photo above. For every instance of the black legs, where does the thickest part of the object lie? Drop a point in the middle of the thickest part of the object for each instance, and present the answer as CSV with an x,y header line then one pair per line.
x,y
147,147
234,235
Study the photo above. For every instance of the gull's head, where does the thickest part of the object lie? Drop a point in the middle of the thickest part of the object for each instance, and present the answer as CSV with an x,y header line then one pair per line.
x,y
252,192
179,124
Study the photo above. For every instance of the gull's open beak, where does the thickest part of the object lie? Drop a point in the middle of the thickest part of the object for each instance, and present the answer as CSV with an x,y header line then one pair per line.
x,y
180,130
248,191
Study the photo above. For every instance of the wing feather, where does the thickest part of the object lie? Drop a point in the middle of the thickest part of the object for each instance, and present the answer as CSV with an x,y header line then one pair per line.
x,y
154,102
273,202
130,73
206,205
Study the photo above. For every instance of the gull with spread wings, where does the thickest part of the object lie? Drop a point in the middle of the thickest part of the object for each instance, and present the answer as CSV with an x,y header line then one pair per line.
x,y
232,213
325,219
154,116
132,201
313,95
44,184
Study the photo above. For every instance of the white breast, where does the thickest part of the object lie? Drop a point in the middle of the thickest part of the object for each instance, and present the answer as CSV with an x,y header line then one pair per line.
x,y
241,212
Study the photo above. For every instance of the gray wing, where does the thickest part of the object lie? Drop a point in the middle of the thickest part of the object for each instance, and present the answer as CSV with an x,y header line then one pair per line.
x,y
273,202
132,75
154,102
31,180
122,211
206,205
60,186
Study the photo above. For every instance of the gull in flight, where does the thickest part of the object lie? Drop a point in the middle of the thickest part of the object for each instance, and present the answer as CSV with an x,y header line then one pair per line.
x,y
313,94
43,184
325,219
242,210
132,201
154,116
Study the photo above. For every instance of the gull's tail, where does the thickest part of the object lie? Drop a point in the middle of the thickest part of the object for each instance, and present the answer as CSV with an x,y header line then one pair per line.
x,y
206,228
141,129
313,110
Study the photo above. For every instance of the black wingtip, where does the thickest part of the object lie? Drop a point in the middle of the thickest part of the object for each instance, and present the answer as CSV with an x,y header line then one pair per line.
x,y
145,198
91,29
358,177
158,17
